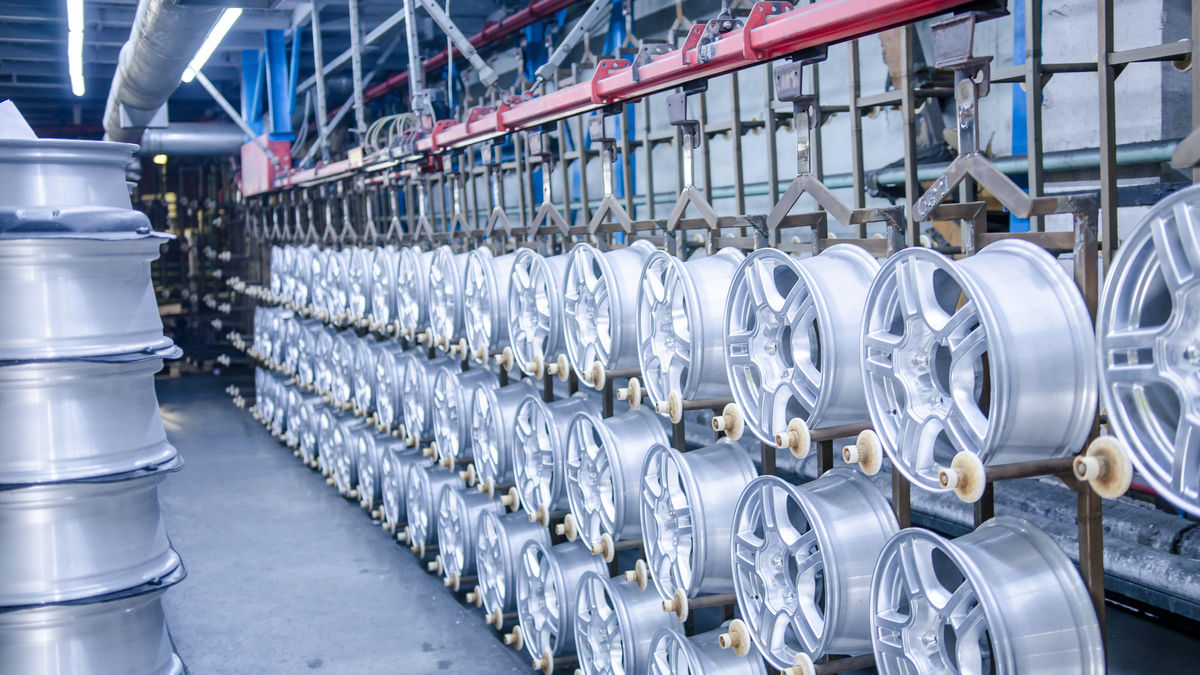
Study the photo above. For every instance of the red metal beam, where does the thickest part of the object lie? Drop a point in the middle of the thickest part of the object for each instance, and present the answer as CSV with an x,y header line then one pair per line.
x,y
492,31
766,37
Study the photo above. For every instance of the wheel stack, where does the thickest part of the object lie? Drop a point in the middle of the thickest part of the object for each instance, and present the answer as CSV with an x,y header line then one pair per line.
x,y
86,556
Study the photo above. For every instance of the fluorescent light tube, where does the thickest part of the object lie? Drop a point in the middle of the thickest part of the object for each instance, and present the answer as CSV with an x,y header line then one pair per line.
x,y
228,18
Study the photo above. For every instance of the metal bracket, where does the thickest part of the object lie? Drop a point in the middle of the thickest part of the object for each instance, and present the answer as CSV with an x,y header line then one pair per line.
x,y
758,17
712,32
648,50
678,115
608,144
539,144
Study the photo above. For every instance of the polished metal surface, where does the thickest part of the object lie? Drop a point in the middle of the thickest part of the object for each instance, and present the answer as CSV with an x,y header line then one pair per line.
x,y
125,636
69,541
78,297
459,512
61,420
993,354
341,356
498,545
802,562
412,290
791,338
63,174
424,489
615,624
547,584
604,461
384,264
389,376
673,653
369,448
362,380
535,311
343,443
1149,348
599,305
359,284
680,306
1002,599
540,449
397,461
416,393
453,391
485,301
446,295
493,416
322,358
687,503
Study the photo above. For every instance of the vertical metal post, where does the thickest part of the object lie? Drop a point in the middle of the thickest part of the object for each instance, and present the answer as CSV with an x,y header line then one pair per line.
x,y
648,151
360,120
856,149
416,70
1106,75
1195,79
735,144
627,159
585,208
319,65
772,132
912,188
1033,104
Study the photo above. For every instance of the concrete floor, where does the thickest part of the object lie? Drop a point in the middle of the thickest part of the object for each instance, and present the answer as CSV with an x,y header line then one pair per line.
x,y
285,576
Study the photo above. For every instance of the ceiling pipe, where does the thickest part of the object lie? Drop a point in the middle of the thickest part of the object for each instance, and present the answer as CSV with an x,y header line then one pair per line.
x,y
193,139
164,38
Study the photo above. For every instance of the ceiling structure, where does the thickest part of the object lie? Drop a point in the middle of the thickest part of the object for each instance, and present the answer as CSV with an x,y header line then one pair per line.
x,y
33,55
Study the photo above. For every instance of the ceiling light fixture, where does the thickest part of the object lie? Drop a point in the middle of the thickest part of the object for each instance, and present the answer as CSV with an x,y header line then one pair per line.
x,y
228,18
75,45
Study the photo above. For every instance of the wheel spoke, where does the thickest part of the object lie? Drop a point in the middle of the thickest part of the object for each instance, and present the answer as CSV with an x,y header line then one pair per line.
x,y
1185,463
1176,244
917,440
917,294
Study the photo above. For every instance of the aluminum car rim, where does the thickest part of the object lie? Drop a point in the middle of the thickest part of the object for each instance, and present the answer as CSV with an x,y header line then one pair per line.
x,y
344,443
1001,599
498,545
535,307
103,299
992,355
334,281
603,465
791,337
124,636
397,461
412,290
547,581
368,462
615,623
493,415
365,351
424,489
802,560
539,449
459,514
389,368
416,392
383,285
446,293
687,504
64,173
358,282
453,390
599,294
341,386
1149,348
106,537
485,300
679,318
71,419
673,653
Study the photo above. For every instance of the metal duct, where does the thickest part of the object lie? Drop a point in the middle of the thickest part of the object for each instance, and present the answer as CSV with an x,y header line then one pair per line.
x,y
193,139
163,39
